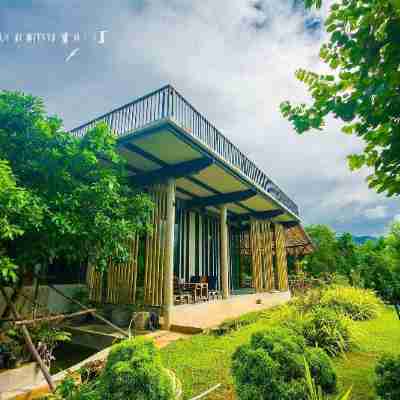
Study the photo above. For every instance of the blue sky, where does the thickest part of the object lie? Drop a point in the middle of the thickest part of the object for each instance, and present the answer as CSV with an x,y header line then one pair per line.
x,y
234,60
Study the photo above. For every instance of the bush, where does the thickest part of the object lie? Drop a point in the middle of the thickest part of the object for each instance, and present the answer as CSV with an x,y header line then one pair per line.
x,y
358,304
271,367
134,371
308,301
321,369
325,328
388,377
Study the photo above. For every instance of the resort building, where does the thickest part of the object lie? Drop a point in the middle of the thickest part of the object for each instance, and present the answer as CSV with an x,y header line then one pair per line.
x,y
222,226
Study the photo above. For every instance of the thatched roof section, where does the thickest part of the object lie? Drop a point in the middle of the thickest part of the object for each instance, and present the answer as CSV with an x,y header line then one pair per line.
x,y
298,243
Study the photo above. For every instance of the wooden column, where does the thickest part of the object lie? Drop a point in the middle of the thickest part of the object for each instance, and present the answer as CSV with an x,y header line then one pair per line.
x,y
169,254
224,253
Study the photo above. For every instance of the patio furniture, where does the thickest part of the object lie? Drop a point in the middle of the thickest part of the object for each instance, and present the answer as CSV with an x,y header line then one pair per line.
x,y
182,294
213,292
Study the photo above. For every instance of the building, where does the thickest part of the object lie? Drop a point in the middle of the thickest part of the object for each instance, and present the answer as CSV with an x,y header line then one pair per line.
x,y
217,213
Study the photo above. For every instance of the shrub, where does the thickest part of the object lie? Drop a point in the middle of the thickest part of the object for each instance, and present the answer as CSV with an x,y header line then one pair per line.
x,y
388,377
358,304
308,301
325,328
134,371
321,368
271,367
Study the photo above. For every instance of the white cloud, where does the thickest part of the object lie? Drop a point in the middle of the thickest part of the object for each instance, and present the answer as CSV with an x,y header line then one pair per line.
x,y
377,212
235,63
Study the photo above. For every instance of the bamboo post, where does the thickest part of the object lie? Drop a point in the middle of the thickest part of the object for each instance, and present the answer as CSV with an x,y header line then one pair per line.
x,y
224,253
169,254
29,342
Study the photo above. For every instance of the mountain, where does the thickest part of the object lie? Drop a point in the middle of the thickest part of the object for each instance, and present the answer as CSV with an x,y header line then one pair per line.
x,y
363,239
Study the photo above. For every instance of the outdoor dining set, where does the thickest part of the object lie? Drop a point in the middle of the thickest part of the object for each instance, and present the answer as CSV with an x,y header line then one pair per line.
x,y
198,289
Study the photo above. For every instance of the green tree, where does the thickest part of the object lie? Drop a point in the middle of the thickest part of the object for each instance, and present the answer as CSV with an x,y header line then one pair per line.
x,y
19,211
347,260
363,89
89,211
325,258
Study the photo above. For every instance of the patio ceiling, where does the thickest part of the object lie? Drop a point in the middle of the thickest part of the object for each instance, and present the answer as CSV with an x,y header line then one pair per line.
x,y
166,145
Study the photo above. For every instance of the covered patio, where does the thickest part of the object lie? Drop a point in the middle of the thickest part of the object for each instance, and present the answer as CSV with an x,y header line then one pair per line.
x,y
221,225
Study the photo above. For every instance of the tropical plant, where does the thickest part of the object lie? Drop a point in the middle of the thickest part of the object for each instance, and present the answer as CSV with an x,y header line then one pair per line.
x,y
362,90
387,383
358,304
315,391
327,329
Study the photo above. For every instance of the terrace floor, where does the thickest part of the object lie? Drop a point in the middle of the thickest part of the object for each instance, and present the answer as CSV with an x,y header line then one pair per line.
x,y
192,318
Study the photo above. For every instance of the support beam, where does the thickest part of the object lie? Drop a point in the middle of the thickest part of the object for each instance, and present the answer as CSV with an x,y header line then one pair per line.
x,y
224,253
219,199
175,171
259,215
289,224
169,255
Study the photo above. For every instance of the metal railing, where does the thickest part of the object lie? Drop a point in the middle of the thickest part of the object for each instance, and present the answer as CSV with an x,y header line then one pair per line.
x,y
168,103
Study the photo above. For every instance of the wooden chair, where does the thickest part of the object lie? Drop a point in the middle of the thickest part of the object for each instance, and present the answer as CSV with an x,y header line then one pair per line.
x,y
181,294
213,292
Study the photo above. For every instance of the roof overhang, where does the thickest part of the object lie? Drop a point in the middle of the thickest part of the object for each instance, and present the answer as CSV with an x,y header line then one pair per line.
x,y
164,144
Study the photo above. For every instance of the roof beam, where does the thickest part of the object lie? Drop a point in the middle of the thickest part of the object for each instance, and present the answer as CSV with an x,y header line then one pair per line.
x,y
219,199
171,171
260,215
289,224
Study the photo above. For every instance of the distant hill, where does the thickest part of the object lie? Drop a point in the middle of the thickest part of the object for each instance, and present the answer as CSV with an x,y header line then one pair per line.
x,y
363,239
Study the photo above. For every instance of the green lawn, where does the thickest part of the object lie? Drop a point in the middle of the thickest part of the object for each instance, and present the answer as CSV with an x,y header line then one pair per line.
x,y
204,360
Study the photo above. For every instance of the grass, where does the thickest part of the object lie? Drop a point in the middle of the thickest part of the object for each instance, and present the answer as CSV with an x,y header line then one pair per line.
x,y
204,360
378,336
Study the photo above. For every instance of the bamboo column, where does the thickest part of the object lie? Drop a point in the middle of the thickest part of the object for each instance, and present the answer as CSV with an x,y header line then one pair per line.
x,y
224,253
281,260
169,254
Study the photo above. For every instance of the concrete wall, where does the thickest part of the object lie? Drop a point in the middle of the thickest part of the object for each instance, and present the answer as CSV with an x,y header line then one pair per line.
x,y
53,301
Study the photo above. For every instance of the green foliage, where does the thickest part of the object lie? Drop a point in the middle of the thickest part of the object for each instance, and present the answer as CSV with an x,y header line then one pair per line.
x,y
45,336
321,369
134,371
315,391
239,322
20,210
271,367
325,328
387,384
362,90
373,265
76,202
70,389
325,258
358,304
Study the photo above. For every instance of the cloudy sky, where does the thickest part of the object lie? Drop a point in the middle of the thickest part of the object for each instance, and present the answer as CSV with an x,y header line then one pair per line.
x,y
233,59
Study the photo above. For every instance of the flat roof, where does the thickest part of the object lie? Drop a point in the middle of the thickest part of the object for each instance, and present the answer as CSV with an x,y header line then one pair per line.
x,y
163,128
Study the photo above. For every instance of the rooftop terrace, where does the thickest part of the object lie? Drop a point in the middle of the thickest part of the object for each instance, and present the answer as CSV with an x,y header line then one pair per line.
x,y
168,104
